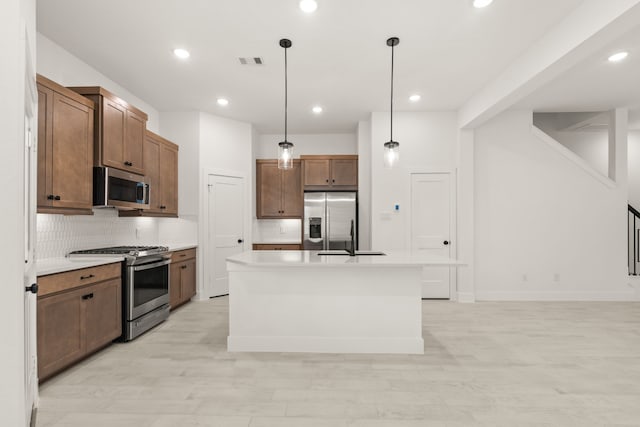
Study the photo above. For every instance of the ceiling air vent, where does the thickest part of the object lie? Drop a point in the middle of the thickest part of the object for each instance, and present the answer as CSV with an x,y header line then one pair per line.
x,y
251,60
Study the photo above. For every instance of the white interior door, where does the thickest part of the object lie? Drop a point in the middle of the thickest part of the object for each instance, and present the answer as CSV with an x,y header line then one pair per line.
x,y
29,214
431,228
226,229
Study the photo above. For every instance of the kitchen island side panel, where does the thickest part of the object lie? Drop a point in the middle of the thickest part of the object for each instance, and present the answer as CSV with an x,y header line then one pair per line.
x,y
354,310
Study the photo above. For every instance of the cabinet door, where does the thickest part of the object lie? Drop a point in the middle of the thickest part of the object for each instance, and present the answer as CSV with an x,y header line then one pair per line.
x,y
72,153
269,191
114,117
344,172
292,198
45,118
135,129
103,313
169,179
175,287
60,331
152,174
316,172
188,280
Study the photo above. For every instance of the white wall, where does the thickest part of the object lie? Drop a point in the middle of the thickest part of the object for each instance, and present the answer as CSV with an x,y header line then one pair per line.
x,y
59,65
544,228
16,16
427,144
634,169
183,128
364,185
266,146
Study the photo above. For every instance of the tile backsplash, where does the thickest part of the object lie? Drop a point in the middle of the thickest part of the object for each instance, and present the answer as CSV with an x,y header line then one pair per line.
x,y
276,231
57,235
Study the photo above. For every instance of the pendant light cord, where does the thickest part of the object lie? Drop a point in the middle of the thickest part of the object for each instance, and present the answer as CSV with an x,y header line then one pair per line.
x,y
285,95
391,136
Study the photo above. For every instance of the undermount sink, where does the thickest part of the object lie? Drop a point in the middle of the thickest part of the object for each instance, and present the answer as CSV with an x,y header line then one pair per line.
x,y
346,253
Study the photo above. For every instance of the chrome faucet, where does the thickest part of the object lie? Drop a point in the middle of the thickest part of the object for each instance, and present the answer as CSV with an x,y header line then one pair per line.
x,y
352,252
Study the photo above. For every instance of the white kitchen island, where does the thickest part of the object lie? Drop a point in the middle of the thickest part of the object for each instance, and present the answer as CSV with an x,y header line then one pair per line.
x,y
298,301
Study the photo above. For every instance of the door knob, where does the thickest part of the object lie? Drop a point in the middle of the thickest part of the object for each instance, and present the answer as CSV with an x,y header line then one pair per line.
x,y
446,242
33,288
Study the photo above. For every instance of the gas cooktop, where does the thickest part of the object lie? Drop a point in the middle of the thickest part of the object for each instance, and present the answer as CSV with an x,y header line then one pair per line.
x,y
133,251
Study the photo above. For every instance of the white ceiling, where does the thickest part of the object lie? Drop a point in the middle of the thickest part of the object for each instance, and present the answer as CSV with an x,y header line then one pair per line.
x,y
596,84
448,51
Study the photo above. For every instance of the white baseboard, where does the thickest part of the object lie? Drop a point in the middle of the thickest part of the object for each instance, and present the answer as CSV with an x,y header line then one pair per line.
x,y
631,295
291,344
466,297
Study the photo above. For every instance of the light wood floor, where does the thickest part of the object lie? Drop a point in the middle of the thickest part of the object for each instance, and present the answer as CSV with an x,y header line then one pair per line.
x,y
485,364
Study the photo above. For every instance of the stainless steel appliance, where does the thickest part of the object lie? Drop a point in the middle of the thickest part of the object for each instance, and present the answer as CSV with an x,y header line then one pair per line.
x,y
145,285
327,220
120,189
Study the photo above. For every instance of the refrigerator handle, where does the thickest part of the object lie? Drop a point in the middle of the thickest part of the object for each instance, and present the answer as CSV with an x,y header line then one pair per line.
x,y
327,234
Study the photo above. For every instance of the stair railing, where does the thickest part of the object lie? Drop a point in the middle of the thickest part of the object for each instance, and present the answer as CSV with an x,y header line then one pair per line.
x,y
633,240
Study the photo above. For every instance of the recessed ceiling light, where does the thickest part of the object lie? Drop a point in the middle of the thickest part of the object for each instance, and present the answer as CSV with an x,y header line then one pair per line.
x,y
181,53
223,102
479,4
415,98
617,57
317,109
308,6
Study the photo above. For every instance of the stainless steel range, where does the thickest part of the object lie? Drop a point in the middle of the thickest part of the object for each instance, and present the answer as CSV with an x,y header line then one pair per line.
x,y
145,280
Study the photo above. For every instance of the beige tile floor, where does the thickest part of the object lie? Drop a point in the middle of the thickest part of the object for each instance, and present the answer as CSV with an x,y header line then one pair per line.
x,y
485,364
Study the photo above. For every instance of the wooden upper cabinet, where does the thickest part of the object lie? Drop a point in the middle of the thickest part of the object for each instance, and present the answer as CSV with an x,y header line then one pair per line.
x,y
317,172
161,160
152,173
339,172
65,150
169,178
119,131
161,172
278,192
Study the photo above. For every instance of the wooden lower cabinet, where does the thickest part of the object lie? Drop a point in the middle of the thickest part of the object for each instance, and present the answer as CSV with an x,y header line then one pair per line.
x,y
60,331
103,314
276,247
182,280
76,321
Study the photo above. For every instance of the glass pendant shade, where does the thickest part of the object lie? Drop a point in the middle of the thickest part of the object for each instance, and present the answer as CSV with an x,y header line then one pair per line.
x,y
391,154
285,155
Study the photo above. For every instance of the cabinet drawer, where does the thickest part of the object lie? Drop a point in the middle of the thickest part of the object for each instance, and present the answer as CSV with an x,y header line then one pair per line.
x,y
277,247
59,282
178,256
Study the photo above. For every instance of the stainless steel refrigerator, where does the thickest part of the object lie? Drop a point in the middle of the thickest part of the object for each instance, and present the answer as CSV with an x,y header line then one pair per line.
x,y
327,220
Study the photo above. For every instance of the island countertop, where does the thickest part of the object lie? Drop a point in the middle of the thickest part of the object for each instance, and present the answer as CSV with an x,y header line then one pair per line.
x,y
312,259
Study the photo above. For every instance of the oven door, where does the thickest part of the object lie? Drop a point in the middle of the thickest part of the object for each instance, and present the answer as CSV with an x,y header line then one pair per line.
x,y
148,287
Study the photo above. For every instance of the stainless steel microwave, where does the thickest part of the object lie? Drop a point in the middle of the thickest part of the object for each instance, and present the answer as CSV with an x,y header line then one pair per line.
x,y
119,189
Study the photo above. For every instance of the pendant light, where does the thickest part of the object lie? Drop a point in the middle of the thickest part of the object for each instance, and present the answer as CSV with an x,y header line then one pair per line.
x,y
391,148
285,148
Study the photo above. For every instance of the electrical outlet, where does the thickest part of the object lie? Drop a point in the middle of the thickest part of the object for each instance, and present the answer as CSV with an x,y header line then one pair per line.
x,y
283,229
525,277
137,234
556,277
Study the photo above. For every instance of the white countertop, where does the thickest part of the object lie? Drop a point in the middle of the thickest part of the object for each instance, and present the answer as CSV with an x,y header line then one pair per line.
x,y
180,246
279,242
62,264
59,265
312,259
